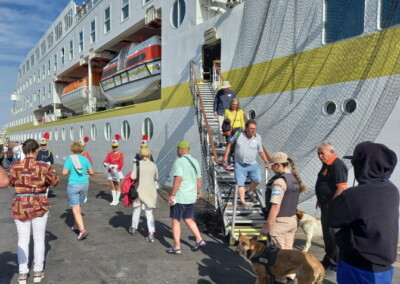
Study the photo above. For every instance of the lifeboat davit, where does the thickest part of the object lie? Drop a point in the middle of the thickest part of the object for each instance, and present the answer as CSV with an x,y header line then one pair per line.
x,y
135,74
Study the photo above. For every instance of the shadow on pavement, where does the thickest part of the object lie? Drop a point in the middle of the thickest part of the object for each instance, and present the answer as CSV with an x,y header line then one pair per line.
x,y
9,266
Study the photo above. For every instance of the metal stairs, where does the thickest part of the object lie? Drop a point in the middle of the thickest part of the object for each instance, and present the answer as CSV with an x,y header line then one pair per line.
x,y
249,221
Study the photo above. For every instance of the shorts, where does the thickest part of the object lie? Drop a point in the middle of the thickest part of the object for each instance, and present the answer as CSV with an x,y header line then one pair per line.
x,y
77,193
242,171
181,211
112,177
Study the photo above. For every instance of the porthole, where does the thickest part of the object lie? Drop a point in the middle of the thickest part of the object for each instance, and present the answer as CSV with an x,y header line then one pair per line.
x,y
50,135
63,134
71,134
56,134
107,131
178,13
329,108
81,132
93,132
252,114
35,136
147,128
349,106
125,130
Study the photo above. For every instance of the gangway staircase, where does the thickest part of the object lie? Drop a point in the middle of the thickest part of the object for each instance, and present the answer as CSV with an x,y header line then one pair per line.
x,y
248,221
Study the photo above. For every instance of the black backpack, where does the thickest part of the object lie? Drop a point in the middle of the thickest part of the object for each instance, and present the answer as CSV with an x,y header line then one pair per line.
x,y
10,153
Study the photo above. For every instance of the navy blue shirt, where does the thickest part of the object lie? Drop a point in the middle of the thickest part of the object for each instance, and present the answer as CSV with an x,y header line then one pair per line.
x,y
223,100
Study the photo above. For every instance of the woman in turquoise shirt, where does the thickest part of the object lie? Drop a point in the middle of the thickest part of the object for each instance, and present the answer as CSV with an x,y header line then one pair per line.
x,y
78,167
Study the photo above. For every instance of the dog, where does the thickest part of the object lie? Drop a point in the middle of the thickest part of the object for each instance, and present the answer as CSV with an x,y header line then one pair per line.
x,y
307,267
311,226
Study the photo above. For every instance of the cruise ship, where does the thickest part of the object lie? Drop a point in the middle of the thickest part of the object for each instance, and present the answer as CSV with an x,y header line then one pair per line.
x,y
307,71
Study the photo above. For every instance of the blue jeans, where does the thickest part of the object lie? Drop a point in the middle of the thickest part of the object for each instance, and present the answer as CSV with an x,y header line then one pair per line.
x,y
77,193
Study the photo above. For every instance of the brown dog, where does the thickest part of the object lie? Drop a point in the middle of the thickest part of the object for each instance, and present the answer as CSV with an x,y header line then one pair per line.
x,y
307,268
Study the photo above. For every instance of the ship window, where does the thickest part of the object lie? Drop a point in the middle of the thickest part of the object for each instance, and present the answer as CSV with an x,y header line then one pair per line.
x,y
43,48
329,108
63,134
71,49
146,1
81,132
71,134
178,13
93,132
68,20
80,41
55,62
390,13
343,19
349,106
107,20
147,128
50,39
62,56
59,31
125,9
252,114
56,134
135,60
125,130
107,131
93,32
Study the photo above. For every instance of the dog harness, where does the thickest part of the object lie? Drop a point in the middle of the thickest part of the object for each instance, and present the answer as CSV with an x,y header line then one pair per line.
x,y
267,258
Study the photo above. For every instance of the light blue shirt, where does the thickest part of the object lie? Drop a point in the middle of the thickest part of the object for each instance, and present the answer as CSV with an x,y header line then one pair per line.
x,y
74,176
246,149
190,171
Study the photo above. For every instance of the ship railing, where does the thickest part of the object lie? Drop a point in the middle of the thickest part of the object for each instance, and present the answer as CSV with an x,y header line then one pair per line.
x,y
217,77
81,11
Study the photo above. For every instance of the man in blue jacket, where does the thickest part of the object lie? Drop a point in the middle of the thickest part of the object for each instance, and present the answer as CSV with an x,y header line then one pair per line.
x,y
222,101
368,218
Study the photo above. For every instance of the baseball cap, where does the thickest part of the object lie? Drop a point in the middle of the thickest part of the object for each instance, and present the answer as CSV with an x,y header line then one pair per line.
x,y
277,158
184,145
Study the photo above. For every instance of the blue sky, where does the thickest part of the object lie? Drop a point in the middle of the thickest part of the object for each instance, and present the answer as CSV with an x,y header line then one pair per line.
x,y
22,24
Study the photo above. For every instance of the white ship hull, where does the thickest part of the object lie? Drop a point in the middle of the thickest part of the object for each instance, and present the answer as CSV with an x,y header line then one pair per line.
x,y
274,56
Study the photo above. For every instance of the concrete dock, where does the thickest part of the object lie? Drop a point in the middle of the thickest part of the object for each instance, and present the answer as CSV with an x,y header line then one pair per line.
x,y
111,255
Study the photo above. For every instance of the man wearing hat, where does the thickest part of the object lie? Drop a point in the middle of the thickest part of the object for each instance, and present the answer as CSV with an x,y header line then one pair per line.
x,y
114,162
368,218
222,102
44,154
185,191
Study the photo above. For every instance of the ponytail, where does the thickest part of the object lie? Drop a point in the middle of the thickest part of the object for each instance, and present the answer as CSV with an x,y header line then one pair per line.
x,y
296,174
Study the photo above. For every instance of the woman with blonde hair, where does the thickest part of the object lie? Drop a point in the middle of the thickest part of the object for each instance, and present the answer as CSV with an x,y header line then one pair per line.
x,y
281,199
237,119
78,167
147,174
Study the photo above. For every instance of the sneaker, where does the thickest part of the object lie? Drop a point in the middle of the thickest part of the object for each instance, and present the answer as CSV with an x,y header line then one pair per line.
x,y
220,145
227,168
38,276
22,278
82,234
150,238
241,206
132,231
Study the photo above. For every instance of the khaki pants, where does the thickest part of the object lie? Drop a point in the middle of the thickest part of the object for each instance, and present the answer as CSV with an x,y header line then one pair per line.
x,y
220,121
282,234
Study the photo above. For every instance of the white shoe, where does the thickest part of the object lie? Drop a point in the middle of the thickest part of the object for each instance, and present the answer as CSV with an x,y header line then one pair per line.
x,y
117,196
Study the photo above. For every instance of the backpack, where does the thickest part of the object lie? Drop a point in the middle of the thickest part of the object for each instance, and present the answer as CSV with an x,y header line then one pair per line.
x,y
10,153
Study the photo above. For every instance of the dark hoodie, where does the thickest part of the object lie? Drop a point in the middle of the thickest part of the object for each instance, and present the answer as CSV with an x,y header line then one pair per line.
x,y
368,214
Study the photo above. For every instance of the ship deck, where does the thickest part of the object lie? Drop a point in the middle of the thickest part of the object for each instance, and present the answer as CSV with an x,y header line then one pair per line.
x,y
111,255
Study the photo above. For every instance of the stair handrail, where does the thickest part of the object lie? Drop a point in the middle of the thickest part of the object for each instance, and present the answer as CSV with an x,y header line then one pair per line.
x,y
203,111
217,76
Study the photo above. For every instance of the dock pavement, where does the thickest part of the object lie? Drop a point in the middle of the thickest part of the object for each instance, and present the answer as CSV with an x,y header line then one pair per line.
x,y
111,255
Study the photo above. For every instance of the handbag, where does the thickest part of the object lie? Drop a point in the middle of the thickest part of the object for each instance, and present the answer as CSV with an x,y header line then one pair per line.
x,y
226,127
133,190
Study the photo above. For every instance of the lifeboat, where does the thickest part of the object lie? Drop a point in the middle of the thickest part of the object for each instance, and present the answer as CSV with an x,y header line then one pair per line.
x,y
75,94
135,74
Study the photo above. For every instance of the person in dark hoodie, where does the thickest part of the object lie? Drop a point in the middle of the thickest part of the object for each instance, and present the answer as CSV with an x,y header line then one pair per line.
x,y
368,234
